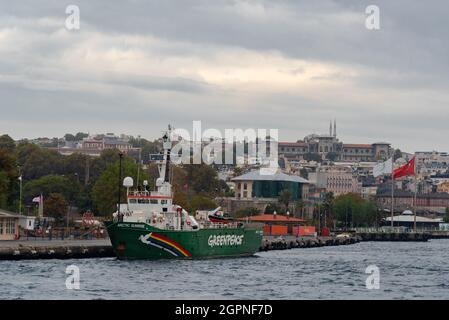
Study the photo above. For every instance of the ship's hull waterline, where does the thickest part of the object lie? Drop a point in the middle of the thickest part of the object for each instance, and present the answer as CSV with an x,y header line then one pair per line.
x,y
132,240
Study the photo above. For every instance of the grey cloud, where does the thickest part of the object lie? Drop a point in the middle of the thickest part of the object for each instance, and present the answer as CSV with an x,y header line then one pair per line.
x,y
407,57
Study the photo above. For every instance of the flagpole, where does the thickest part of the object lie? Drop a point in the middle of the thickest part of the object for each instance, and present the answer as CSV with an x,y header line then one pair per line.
x,y
392,196
20,194
414,200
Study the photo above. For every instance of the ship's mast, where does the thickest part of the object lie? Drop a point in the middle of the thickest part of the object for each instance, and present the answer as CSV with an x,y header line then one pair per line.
x,y
163,183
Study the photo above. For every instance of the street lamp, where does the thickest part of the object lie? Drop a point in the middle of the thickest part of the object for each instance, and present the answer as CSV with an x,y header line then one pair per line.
x,y
20,190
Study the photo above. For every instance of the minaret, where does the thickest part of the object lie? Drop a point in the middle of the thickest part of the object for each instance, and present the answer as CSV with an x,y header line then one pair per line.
x,y
335,128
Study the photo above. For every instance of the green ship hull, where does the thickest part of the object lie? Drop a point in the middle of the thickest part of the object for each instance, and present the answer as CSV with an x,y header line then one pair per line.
x,y
132,240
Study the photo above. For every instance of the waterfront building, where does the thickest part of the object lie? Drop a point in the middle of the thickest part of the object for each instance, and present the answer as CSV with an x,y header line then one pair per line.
x,y
9,225
257,190
278,225
432,203
407,219
256,185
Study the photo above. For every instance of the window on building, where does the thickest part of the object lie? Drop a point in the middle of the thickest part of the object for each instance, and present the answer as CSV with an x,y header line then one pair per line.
x,y
1,226
244,186
10,226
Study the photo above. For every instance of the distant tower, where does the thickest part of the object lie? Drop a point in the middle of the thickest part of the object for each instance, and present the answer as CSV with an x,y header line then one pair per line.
x,y
330,128
335,128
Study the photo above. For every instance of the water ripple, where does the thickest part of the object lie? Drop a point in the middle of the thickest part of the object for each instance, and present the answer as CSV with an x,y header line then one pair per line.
x,y
407,271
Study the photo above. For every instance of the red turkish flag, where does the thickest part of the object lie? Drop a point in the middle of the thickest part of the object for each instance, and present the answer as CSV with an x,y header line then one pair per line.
x,y
407,169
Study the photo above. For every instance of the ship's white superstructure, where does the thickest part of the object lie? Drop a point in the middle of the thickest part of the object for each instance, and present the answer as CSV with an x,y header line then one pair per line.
x,y
156,208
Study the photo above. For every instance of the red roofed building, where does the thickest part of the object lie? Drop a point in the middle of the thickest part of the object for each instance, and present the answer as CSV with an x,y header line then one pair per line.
x,y
277,225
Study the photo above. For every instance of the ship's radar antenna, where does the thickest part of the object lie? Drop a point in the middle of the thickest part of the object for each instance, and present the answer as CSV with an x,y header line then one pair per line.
x,y
128,182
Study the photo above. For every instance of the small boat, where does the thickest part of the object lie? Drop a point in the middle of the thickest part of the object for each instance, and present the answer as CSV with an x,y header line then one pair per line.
x,y
217,216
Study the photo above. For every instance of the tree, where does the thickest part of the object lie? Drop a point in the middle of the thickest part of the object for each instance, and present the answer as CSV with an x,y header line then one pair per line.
x,y
41,162
46,185
4,189
76,165
299,208
202,202
272,207
56,206
7,143
352,210
285,197
105,190
98,165
328,204
247,212
80,136
146,146
8,179
202,178
69,137
345,206
24,150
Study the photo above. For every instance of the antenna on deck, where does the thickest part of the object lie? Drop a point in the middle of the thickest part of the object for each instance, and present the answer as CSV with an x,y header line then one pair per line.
x,y
119,215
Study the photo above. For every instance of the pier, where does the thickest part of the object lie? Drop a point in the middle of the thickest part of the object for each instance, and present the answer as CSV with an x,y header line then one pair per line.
x,y
292,242
399,234
395,236
83,249
55,249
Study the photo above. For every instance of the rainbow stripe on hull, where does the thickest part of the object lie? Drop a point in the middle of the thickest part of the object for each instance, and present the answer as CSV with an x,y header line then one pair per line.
x,y
164,243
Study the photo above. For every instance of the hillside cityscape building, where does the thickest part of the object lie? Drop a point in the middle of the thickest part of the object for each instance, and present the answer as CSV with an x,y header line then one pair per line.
x,y
309,168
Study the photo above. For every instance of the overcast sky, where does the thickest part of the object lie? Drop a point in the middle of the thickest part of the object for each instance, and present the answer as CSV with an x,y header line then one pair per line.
x,y
135,66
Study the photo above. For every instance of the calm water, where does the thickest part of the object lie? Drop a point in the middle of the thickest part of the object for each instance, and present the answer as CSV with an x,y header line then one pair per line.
x,y
407,271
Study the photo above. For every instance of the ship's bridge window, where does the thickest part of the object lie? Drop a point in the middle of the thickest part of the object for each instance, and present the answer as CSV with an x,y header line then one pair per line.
x,y
163,201
153,201
132,200
143,201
